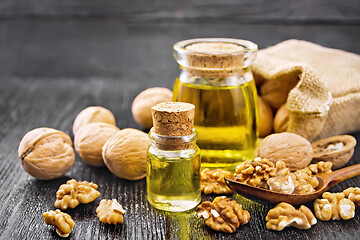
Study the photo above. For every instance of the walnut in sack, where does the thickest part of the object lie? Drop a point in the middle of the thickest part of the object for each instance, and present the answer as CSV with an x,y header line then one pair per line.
x,y
255,173
73,193
223,214
334,206
110,211
353,194
285,215
62,222
212,181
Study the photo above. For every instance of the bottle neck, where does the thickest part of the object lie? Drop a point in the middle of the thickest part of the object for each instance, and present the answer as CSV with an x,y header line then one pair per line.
x,y
173,143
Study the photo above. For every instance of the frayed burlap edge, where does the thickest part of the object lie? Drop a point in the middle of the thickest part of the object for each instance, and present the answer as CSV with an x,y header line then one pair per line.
x,y
308,102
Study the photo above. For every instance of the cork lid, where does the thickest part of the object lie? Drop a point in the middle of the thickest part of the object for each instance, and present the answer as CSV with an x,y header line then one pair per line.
x,y
214,56
173,118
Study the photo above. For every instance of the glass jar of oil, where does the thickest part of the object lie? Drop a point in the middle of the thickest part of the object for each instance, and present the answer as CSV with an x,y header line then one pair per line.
x,y
216,77
173,160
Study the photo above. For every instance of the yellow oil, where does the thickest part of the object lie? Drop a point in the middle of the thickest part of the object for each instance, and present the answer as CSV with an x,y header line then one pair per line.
x,y
225,119
173,183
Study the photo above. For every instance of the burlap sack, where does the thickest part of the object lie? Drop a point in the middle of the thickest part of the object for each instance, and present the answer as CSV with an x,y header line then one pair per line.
x,y
326,98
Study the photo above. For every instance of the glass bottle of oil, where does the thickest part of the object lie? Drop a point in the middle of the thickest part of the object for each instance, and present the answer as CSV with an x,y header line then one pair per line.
x,y
216,77
173,159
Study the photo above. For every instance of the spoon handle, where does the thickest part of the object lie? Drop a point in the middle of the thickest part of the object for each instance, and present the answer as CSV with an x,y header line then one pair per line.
x,y
343,174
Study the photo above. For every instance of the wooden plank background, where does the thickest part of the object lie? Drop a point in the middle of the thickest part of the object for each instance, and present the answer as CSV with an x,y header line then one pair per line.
x,y
58,57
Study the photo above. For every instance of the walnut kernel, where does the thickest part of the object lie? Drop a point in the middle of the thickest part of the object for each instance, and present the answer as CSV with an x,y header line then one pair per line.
x,y
285,215
255,173
110,211
353,194
73,193
223,214
281,184
334,206
212,181
62,222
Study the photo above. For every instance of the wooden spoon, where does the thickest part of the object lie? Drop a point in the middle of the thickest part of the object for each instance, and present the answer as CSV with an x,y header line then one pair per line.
x,y
326,181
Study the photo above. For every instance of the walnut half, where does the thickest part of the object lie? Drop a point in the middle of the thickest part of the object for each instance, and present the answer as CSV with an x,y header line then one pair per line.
x,y
110,211
62,222
285,215
212,181
334,206
255,173
223,214
73,193
353,193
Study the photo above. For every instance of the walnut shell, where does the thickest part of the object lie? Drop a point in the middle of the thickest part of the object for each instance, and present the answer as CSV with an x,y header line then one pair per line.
x,y
291,148
336,149
46,153
93,114
281,120
144,101
90,139
265,118
125,154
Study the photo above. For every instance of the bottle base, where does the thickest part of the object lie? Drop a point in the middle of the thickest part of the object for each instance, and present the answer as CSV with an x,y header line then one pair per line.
x,y
175,205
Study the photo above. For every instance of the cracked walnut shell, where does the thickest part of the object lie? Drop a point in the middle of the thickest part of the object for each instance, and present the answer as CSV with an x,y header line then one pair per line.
x,y
46,153
291,148
90,139
125,154
223,214
336,149
110,211
285,215
255,173
212,181
93,114
334,206
62,222
73,193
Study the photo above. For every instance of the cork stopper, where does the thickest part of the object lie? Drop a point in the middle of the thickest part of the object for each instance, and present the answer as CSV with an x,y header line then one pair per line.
x,y
173,118
214,57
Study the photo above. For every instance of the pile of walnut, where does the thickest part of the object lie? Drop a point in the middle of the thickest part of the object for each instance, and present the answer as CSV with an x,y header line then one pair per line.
x,y
71,195
277,177
332,206
47,153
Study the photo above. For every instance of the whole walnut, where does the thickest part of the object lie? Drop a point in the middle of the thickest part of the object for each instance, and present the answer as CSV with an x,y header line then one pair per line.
x,y
46,153
93,114
144,101
265,118
90,139
125,154
291,148
281,120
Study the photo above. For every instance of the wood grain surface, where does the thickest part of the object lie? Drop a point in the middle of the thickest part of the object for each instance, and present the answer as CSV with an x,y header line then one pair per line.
x,y
58,57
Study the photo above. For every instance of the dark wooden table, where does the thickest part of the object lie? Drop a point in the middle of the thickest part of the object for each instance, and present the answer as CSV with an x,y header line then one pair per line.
x,y
58,57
